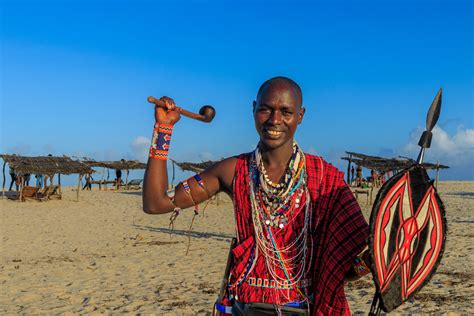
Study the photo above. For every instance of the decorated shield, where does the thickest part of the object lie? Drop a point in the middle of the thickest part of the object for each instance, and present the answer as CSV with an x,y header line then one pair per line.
x,y
407,230
408,233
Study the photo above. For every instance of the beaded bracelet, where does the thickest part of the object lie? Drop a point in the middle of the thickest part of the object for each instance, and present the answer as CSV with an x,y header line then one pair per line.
x,y
360,267
176,210
160,142
174,214
196,212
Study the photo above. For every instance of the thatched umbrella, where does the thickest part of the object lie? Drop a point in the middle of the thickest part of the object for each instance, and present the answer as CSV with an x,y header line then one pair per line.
x,y
49,165
384,165
119,164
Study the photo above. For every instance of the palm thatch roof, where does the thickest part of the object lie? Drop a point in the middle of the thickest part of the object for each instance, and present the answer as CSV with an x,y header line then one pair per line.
x,y
120,164
194,166
45,165
386,164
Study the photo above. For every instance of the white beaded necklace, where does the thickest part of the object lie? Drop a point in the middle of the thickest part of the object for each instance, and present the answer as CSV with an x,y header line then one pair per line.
x,y
272,205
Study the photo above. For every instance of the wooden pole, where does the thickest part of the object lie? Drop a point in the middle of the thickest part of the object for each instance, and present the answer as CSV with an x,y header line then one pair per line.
x,y
4,179
108,176
349,170
126,180
172,179
59,183
437,173
78,187
21,187
101,178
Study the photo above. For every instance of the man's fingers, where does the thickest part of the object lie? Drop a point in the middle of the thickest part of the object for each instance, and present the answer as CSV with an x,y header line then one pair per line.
x,y
169,103
169,113
160,112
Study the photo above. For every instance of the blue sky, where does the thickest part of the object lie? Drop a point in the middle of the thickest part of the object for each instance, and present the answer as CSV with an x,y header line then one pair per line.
x,y
75,75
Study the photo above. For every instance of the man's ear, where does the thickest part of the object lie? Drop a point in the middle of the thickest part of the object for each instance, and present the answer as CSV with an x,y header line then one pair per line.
x,y
302,111
254,104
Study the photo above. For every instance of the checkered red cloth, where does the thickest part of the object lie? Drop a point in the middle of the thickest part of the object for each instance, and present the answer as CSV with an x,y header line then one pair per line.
x,y
339,233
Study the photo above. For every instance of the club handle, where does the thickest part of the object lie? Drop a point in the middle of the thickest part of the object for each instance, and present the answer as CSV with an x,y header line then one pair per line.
x,y
182,111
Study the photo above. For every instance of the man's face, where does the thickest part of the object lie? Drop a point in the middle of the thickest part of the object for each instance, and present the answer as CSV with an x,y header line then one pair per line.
x,y
277,113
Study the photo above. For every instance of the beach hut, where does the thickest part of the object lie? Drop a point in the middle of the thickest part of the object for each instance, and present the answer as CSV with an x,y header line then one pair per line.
x,y
196,167
191,166
126,165
386,165
44,165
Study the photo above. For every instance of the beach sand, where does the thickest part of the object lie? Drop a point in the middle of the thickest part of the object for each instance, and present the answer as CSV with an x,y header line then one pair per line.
x,y
104,255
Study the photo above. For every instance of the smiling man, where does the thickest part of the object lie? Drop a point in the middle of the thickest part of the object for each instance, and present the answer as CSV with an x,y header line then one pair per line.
x,y
300,232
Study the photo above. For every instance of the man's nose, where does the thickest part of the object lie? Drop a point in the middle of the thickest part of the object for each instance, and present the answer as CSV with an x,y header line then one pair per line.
x,y
275,117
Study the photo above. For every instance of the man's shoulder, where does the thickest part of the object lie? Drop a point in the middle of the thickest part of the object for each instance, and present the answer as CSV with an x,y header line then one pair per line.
x,y
321,171
321,164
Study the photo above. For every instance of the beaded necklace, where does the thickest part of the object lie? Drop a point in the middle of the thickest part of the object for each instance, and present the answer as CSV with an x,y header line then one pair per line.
x,y
274,207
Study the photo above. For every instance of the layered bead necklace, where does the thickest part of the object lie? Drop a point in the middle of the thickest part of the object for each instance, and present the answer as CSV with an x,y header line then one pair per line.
x,y
274,207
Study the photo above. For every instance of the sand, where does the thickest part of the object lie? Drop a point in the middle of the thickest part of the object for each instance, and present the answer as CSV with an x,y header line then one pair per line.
x,y
104,255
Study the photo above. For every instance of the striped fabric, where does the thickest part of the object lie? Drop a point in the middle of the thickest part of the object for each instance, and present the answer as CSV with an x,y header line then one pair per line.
x,y
339,233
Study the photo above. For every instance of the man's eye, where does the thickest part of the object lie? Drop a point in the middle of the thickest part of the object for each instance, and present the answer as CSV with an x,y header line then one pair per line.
x,y
286,113
263,110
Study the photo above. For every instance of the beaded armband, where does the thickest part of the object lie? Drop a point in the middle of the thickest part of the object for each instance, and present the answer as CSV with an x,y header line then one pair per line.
x,y
188,191
360,267
198,179
160,142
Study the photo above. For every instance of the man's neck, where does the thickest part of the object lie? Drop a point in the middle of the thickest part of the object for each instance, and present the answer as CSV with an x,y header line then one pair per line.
x,y
277,157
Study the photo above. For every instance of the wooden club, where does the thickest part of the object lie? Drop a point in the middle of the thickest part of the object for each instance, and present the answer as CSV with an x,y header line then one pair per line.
x,y
206,113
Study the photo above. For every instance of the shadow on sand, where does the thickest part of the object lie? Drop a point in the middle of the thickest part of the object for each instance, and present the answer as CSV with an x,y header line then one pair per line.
x,y
462,194
130,192
194,234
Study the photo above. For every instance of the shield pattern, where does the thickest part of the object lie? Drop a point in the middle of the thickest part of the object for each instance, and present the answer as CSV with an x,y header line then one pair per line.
x,y
407,236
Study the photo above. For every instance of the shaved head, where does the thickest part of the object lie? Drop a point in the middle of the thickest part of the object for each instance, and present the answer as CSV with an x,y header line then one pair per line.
x,y
283,82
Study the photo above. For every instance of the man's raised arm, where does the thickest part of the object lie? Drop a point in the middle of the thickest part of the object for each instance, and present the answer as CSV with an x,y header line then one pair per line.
x,y
190,192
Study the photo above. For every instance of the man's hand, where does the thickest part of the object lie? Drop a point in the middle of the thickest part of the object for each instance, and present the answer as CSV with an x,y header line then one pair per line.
x,y
352,275
170,115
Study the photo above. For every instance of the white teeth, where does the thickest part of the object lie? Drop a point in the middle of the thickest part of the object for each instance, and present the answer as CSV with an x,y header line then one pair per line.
x,y
274,133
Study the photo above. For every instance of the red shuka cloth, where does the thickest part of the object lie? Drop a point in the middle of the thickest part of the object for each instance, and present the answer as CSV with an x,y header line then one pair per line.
x,y
338,230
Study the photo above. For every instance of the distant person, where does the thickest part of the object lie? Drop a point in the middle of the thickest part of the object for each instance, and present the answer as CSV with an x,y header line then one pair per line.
x,y
118,177
13,179
358,175
39,180
376,179
118,174
88,184
27,177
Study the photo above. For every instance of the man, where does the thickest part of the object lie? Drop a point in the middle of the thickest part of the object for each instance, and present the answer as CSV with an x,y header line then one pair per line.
x,y
88,184
13,177
118,178
27,177
352,174
39,180
359,176
299,228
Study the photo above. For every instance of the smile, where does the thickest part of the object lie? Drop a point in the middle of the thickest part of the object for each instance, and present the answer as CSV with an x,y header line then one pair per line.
x,y
273,133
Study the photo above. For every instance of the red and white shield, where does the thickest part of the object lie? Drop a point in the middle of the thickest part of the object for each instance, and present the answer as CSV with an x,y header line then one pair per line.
x,y
408,232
